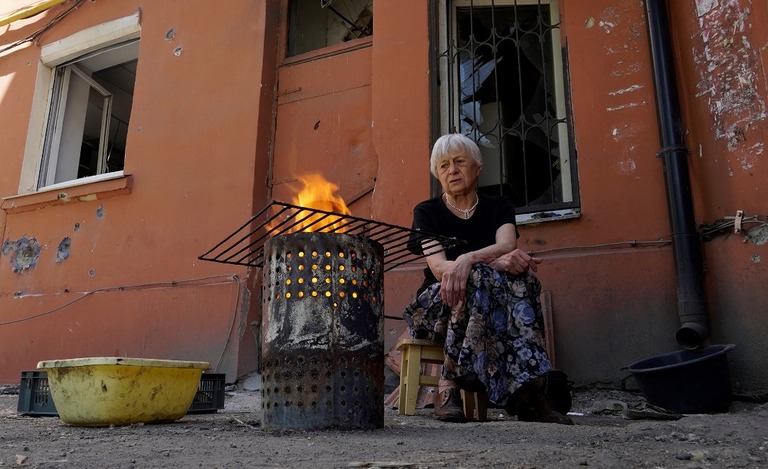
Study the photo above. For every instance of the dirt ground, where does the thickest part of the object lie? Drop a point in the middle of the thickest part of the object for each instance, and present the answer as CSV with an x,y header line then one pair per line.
x,y
603,437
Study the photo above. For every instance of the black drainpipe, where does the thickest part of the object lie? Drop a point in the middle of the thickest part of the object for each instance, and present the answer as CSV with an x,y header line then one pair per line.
x,y
686,243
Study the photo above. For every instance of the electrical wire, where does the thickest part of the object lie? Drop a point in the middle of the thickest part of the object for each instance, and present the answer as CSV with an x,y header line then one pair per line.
x,y
39,33
154,285
584,247
235,309
708,231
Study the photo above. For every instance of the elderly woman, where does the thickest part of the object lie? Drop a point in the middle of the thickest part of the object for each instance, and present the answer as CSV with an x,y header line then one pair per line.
x,y
481,298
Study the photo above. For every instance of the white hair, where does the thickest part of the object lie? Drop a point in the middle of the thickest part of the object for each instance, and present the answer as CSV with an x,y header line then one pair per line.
x,y
452,145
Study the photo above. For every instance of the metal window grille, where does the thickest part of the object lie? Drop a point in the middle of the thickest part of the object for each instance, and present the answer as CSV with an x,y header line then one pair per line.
x,y
502,82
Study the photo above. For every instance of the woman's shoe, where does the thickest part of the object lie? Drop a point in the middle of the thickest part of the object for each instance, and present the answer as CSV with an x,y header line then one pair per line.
x,y
531,404
448,406
558,391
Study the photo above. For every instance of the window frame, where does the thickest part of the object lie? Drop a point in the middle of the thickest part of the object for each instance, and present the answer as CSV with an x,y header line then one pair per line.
x,y
448,102
55,128
55,54
290,9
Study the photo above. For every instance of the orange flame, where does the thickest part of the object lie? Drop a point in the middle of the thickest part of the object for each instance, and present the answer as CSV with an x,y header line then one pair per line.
x,y
318,193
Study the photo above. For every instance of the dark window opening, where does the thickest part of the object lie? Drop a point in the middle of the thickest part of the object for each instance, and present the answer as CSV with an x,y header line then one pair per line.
x,y
315,24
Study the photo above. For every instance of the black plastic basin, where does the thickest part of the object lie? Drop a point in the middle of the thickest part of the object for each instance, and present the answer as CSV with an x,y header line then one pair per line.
x,y
687,381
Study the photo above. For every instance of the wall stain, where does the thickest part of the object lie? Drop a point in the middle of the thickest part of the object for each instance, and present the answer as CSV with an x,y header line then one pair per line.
x,y
8,246
705,6
62,252
626,90
758,236
624,49
627,167
24,253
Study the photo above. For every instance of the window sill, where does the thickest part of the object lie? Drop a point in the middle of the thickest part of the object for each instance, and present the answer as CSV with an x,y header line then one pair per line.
x,y
86,192
543,217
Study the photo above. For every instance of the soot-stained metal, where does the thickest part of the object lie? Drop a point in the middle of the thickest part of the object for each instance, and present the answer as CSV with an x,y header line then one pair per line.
x,y
323,346
323,289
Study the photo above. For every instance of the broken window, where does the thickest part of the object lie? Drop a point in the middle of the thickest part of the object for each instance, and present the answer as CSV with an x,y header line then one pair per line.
x,y
315,24
502,83
88,115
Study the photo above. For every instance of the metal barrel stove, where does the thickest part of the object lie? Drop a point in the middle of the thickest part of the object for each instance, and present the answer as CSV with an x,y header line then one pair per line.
x,y
322,341
323,316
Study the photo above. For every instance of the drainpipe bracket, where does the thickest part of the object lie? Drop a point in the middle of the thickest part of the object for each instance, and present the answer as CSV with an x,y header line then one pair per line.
x,y
673,149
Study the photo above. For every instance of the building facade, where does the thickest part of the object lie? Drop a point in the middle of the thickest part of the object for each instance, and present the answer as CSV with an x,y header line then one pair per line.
x,y
138,134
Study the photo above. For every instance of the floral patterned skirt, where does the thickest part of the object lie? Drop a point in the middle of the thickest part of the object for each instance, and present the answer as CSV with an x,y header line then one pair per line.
x,y
496,336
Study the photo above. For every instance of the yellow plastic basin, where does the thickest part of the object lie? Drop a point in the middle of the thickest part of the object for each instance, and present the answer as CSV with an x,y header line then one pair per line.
x,y
103,391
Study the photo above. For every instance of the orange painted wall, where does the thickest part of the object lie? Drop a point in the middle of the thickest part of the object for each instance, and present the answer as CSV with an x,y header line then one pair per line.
x,y
199,160
197,146
612,303
722,56
401,135
611,271
614,306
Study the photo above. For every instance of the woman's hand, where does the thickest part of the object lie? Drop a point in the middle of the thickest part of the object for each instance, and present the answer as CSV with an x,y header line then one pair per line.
x,y
453,285
515,262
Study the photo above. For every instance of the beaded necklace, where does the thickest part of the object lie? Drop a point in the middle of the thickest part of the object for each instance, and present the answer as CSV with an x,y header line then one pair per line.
x,y
465,212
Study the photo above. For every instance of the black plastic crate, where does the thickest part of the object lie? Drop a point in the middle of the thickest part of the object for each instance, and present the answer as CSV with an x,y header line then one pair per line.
x,y
35,395
210,394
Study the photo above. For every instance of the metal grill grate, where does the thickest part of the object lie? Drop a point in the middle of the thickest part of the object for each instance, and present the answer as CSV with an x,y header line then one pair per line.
x,y
245,246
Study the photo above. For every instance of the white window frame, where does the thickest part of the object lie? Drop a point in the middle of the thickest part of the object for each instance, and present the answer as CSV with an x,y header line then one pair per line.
x,y
50,173
564,142
34,176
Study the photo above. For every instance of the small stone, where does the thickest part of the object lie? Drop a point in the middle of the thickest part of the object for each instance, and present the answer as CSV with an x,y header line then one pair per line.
x,y
699,455
252,383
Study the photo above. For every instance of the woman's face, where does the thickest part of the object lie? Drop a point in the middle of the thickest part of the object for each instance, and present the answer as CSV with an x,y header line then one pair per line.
x,y
458,174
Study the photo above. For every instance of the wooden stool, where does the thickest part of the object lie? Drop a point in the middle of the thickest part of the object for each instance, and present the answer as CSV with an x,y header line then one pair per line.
x,y
414,353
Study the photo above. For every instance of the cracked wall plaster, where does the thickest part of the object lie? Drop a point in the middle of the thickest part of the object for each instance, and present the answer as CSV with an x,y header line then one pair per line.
x,y
62,252
758,236
24,253
728,65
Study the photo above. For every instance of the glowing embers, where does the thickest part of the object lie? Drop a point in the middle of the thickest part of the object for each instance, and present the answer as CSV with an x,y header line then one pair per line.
x,y
336,275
